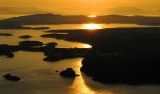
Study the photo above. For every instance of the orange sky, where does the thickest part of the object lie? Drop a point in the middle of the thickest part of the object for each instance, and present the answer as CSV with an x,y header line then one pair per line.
x,y
84,7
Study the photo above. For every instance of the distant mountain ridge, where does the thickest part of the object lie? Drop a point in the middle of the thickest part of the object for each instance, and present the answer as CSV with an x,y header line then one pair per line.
x,y
39,19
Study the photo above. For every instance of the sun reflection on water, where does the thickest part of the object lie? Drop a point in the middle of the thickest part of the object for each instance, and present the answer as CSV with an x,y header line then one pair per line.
x,y
92,26
87,46
82,45
79,85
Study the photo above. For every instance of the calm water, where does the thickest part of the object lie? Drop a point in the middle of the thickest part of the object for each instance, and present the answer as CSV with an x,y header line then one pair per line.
x,y
14,40
39,77
89,26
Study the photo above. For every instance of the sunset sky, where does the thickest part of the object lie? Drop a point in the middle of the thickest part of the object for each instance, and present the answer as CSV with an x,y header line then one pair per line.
x,y
81,7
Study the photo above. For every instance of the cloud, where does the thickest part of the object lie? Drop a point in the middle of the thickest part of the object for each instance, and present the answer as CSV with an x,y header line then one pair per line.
x,y
20,10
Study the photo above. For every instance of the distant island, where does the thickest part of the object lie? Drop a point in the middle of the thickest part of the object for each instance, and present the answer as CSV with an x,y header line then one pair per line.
x,y
38,19
18,26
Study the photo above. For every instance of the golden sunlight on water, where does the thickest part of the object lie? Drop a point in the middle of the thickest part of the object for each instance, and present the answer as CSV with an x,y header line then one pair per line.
x,y
92,26
86,46
79,86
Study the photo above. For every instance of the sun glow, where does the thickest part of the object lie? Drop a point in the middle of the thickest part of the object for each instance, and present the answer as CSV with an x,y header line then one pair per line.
x,y
92,16
91,26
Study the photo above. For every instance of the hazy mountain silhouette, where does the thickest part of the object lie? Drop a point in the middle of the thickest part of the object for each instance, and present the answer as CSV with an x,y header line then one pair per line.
x,y
78,19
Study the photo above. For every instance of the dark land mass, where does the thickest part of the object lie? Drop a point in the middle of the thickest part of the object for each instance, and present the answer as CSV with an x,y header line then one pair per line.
x,y
113,38
79,19
34,46
120,55
12,26
30,43
49,50
69,72
8,50
15,25
134,67
25,36
11,77
6,34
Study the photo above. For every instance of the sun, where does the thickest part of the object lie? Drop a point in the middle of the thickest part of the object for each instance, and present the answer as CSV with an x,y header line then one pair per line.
x,y
92,16
91,26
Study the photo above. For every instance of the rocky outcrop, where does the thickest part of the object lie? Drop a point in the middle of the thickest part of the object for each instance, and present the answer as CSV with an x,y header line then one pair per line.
x,y
11,77
6,34
69,72
7,50
25,36
30,43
